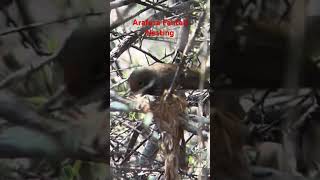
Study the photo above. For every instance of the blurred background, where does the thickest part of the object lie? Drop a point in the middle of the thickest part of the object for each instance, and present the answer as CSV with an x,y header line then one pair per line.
x,y
52,125
264,44
265,102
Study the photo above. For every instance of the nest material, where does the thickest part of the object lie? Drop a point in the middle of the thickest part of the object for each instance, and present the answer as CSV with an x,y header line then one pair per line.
x,y
228,139
168,113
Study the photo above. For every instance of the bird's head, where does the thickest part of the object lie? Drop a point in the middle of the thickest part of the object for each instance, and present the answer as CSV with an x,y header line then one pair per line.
x,y
142,81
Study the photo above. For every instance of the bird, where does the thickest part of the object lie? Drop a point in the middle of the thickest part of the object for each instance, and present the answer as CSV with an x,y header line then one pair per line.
x,y
82,59
156,78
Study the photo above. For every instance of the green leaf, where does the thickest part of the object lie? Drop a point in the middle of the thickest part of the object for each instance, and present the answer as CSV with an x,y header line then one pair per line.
x,y
52,44
76,168
68,172
37,100
191,160
133,116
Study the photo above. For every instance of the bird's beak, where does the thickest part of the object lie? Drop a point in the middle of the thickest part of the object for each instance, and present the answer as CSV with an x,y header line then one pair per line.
x,y
137,93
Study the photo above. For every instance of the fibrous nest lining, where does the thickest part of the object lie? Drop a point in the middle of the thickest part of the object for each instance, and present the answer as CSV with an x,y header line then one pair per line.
x,y
168,113
227,143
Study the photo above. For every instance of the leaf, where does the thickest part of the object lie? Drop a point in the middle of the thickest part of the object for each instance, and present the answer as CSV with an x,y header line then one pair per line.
x,y
132,116
68,172
71,172
77,165
191,160
76,168
37,100
52,44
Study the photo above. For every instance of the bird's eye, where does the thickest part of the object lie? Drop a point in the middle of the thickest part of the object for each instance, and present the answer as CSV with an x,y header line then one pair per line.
x,y
141,83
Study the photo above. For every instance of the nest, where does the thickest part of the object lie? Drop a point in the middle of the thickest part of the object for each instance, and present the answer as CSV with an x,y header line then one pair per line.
x,y
168,113
228,140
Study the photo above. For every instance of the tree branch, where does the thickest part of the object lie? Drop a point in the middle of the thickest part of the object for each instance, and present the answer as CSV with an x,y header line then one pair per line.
x,y
35,25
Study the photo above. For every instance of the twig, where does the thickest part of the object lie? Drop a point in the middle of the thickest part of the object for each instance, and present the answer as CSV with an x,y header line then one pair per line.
x,y
133,150
20,74
137,130
125,68
36,25
139,153
167,55
120,37
119,3
172,83
260,102
196,32
153,6
181,45
117,24
25,38
147,53
53,99
137,169
119,83
134,137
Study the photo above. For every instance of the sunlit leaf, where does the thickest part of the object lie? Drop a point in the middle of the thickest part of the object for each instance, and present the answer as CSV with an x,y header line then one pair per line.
x,y
37,100
52,44
132,116
191,160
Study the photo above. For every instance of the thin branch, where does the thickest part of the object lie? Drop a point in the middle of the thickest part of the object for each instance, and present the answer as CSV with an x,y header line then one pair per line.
x,y
125,68
167,55
118,23
120,3
57,95
36,25
47,136
195,34
120,36
13,145
147,53
26,38
134,150
153,6
119,83
20,74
